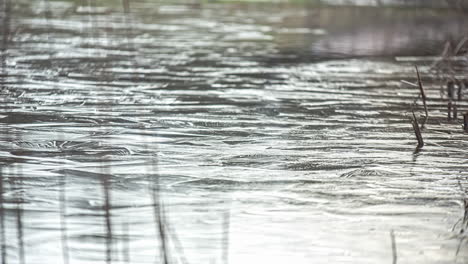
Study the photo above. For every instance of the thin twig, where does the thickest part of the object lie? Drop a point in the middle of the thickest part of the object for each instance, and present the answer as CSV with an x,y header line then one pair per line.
x,y
176,243
125,243
460,46
158,211
465,206
417,131
409,83
2,221
465,121
17,184
464,220
226,224
105,181
423,93
450,88
445,54
449,110
394,249
5,8
63,219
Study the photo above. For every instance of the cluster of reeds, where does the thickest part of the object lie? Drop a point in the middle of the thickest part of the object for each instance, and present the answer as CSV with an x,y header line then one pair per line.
x,y
451,71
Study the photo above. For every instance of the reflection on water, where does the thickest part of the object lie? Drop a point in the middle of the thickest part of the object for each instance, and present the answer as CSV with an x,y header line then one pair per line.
x,y
336,32
387,32
143,132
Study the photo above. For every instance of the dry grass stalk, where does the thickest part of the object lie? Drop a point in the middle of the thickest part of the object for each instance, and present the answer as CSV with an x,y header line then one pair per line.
x,y
465,121
423,93
461,86
417,131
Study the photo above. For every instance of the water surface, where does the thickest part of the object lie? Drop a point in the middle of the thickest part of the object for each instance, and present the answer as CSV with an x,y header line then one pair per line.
x,y
226,133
